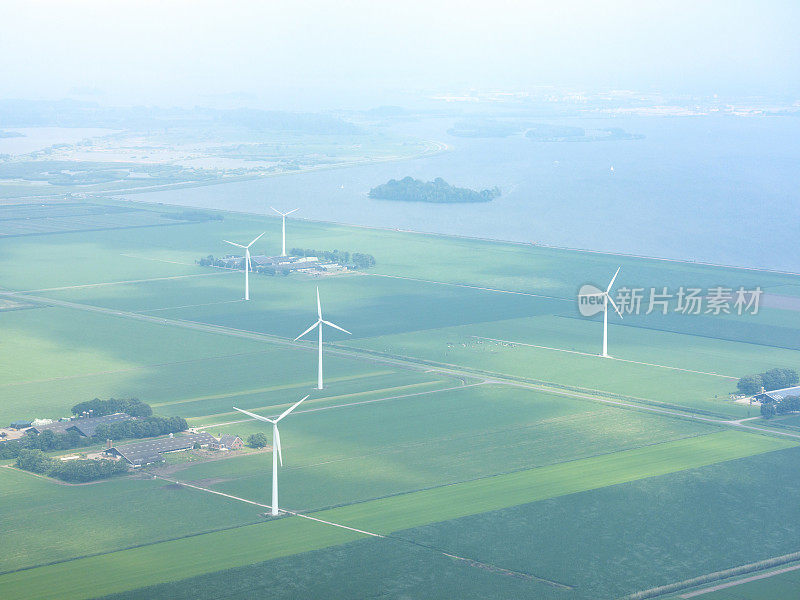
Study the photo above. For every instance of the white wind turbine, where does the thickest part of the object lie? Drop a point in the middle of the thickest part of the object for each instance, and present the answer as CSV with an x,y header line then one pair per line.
x,y
606,296
284,215
246,264
276,446
320,322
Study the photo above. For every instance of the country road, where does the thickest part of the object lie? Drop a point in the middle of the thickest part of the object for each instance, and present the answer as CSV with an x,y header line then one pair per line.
x,y
403,362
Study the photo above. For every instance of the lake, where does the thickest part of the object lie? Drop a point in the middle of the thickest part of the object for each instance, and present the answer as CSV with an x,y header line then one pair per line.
x,y
719,189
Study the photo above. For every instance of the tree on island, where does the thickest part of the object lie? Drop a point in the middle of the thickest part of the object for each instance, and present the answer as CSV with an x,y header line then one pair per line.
x,y
409,189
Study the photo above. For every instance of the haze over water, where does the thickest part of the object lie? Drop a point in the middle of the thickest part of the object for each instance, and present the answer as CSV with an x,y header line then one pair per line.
x,y
715,189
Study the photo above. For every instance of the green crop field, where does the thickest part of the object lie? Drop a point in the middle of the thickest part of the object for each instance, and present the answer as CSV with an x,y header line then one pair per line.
x,y
467,415
602,543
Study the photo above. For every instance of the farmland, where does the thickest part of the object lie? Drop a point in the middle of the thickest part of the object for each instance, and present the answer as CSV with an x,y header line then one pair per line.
x,y
468,415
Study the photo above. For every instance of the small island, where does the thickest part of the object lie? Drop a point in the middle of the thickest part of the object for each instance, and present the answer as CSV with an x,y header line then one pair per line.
x,y
439,191
10,134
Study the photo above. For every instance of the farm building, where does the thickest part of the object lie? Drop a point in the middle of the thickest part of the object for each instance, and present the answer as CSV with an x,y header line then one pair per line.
x,y
777,395
20,424
86,426
228,442
151,451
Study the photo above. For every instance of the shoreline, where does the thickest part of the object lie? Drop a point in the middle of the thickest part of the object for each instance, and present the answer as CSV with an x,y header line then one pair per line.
x,y
474,238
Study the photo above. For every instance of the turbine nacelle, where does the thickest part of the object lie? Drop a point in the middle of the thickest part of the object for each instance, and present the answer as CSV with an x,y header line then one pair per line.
x,y
274,423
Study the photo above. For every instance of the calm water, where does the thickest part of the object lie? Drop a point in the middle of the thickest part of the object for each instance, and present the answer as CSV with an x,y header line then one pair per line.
x,y
716,189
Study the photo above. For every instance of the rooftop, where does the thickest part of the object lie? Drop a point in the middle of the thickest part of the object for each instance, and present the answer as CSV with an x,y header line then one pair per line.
x,y
85,426
139,453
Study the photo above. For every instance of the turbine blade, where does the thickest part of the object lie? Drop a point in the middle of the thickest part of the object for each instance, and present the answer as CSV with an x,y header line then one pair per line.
x,y
608,289
614,305
319,305
255,240
306,331
290,409
254,415
278,445
234,244
291,211
337,327
276,210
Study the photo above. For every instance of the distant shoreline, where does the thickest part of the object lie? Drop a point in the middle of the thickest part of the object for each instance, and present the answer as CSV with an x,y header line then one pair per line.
x,y
479,239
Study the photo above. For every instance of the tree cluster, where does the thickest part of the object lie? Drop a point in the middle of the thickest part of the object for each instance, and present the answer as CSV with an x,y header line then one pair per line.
x,y
770,408
141,428
257,440
774,379
77,471
352,260
145,424
98,408
45,441
409,189
211,261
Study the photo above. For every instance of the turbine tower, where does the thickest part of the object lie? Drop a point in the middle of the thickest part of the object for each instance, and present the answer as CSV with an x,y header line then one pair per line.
x,y
276,445
320,322
246,264
284,215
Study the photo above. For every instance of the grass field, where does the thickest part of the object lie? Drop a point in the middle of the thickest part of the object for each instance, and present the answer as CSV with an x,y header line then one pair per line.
x,y
189,556
431,439
411,438
602,543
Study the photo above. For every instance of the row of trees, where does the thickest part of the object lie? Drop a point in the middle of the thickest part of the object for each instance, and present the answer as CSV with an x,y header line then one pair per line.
x,y
77,471
352,260
774,379
141,428
98,408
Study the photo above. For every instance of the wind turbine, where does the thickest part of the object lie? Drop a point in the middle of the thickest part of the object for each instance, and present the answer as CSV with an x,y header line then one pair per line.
x,y
284,215
276,445
593,292
606,299
320,322
246,264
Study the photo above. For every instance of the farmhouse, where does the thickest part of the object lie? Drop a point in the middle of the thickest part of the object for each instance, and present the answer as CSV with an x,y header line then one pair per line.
x,y
86,426
227,442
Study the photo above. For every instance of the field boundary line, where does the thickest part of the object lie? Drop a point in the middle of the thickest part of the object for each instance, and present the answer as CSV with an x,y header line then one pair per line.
x,y
626,360
723,586
672,588
410,363
131,281
357,403
470,286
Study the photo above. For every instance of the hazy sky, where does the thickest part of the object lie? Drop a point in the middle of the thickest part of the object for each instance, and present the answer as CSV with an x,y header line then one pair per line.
x,y
309,54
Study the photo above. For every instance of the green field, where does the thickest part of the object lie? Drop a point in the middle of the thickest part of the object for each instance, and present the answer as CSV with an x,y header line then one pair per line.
x,y
293,535
602,543
468,414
